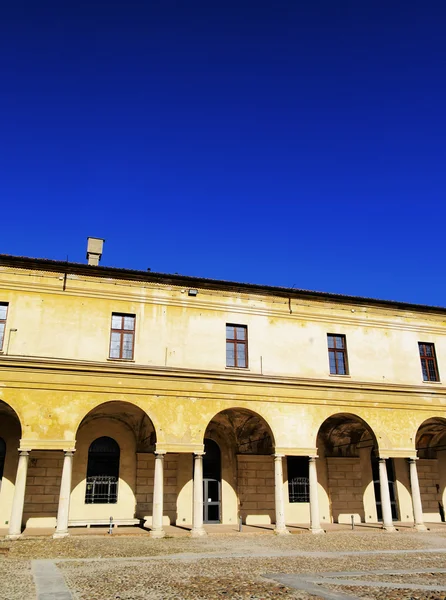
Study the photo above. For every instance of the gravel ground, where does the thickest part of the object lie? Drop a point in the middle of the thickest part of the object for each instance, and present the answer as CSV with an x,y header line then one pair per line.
x,y
124,546
204,571
16,580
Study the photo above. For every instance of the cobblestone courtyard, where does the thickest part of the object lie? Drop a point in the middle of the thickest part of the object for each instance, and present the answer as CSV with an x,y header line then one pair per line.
x,y
335,566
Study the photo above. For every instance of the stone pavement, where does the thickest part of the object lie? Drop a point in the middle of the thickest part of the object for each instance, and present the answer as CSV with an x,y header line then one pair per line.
x,y
339,565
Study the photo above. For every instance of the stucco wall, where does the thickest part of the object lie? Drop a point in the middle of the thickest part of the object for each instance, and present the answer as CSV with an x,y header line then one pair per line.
x,y
174,330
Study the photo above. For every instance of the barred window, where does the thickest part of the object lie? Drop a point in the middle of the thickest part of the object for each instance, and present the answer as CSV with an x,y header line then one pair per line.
x,y
3,313
337,354
236,346
298,479
122,337
428,359
102,472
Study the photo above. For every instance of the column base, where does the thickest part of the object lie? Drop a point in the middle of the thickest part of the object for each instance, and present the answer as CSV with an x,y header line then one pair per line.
x,y
282,531
13,536
389,528
60,534
198,533
420,527
317,530
157,534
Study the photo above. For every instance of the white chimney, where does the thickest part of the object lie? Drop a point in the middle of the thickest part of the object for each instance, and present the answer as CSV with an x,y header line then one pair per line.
x,y
94,250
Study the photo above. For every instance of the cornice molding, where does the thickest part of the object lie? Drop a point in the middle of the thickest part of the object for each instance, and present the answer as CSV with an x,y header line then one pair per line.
x,y
133,371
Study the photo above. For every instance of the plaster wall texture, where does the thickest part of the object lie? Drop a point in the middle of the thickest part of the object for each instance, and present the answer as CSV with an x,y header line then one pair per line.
x,y
55,370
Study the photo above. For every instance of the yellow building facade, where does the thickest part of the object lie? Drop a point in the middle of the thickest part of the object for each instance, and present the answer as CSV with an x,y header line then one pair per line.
x,y
165,399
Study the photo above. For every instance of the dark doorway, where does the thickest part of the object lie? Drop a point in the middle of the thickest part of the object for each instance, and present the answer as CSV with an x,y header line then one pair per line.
x,y
211,482
392,487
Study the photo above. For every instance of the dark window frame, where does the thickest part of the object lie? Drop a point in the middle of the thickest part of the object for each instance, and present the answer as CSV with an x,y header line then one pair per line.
x,y
235,341
121,331
339,352
429,365
3,322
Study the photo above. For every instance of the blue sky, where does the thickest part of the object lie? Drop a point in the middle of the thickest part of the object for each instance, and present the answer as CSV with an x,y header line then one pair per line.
x,y
297,143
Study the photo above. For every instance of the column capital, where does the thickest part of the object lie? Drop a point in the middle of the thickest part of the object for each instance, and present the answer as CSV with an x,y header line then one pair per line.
x,y
199,454
412,458
278,456
69,452
23,452
160,453
313,457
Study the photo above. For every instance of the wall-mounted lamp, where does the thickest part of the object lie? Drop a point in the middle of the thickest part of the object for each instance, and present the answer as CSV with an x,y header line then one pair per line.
x,y
192,292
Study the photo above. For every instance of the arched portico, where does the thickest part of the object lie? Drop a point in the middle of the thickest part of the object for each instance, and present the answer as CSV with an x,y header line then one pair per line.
x,y
130,431
430,443
246,443
358,484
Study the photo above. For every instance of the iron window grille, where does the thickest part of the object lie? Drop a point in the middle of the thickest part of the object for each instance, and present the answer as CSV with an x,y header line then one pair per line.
x,y
299,489
3,314
428,359
102,472
122,339
337,354
298,479
236,346
101,489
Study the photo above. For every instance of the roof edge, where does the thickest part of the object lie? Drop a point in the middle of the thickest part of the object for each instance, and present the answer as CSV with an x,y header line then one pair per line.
x,y
46,264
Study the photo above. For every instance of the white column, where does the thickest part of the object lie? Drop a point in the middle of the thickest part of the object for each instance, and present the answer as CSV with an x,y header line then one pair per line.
x,y
315,525
157,530
15,522
280,528
385,496
416,496
197,516
64,496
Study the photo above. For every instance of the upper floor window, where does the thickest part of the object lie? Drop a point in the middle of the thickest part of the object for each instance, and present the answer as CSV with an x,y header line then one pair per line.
x,y
122,339
337,354
428,362
3,313
236,346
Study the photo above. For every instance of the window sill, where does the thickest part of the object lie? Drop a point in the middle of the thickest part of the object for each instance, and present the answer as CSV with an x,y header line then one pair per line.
x,y
432,382
339,375
125,360
237,368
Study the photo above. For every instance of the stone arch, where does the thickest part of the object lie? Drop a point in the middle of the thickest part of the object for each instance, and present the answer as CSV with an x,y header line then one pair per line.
x,y
247,429
431,437
345,443
133,431
117,409
343,434
430,443
246,443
